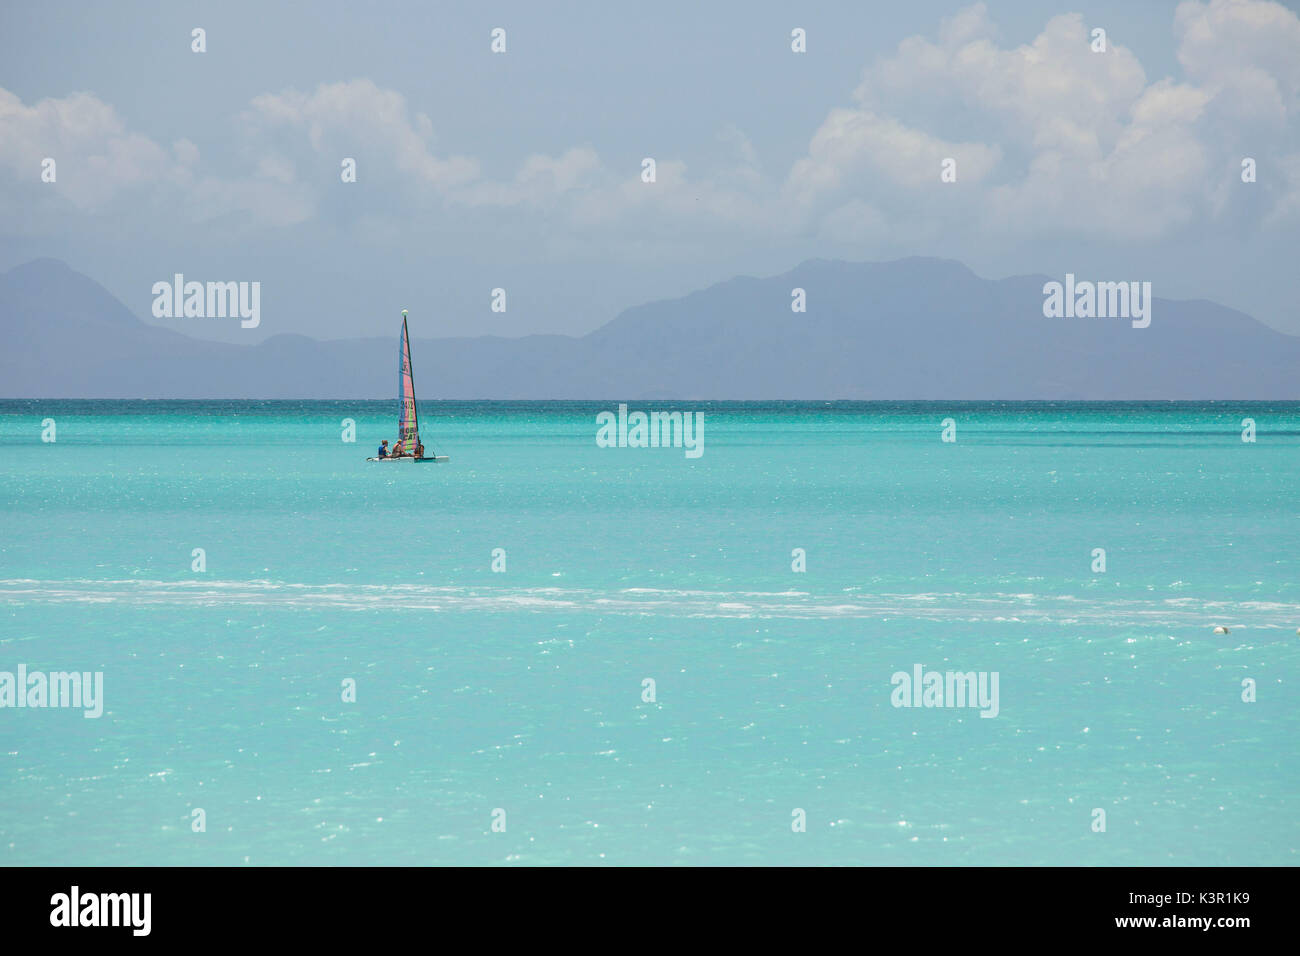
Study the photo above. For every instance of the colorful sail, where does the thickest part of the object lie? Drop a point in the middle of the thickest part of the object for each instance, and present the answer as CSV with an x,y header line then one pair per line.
x,y
408,427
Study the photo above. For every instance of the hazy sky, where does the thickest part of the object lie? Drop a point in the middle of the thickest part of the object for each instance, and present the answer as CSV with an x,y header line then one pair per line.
x,y
522,170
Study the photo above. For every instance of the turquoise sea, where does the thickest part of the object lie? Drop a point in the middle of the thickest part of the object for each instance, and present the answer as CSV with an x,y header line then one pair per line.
x,y
521,690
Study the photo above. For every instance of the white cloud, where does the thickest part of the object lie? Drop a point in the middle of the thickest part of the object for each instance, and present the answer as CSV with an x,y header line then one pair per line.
x,y
338,118
1088,147
540,179
1248,47
1050,138
100,165
859,145
96,158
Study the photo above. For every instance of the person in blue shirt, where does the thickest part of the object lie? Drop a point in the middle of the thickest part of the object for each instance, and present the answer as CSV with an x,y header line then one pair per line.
x,y
383,448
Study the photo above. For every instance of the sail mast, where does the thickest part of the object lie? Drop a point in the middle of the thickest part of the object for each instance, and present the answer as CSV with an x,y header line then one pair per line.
x,y
415,412
407,422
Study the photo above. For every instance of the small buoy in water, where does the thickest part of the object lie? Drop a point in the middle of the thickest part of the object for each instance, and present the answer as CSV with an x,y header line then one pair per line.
x,y
1221,630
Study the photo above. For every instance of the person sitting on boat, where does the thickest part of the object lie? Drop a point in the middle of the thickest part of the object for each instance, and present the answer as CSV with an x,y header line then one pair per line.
x,y
383,448
397,451
419,450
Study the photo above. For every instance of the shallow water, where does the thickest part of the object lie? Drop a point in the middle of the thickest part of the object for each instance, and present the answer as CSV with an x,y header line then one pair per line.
x,y
522,690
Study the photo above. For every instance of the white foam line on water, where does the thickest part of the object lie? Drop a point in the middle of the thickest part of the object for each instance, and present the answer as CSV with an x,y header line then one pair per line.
x,y
962,607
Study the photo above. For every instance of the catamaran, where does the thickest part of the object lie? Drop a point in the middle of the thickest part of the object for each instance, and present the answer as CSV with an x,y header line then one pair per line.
x,y
408,447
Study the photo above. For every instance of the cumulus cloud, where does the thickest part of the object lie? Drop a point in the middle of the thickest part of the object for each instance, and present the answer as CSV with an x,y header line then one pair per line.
x,y
1074,142
1247,54
337,118
96,157
1053,92
540,180
1050,139
100,164
856,144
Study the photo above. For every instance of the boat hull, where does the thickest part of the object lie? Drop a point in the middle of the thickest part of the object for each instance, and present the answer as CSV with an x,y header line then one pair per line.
x,y
437,459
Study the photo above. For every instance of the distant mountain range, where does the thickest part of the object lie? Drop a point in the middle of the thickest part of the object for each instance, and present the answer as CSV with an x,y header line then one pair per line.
x,y
910,329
